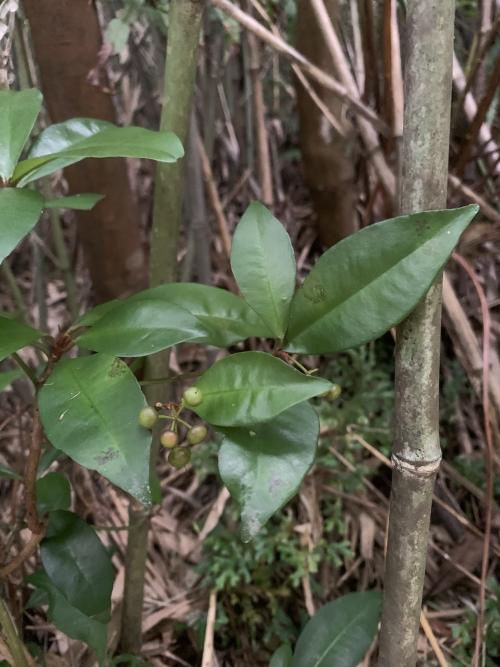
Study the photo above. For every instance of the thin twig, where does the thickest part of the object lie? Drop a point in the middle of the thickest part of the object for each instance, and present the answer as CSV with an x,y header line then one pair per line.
x,y
426,627
26,552
479,119
488,211
214,198
30,475
485,314
208,646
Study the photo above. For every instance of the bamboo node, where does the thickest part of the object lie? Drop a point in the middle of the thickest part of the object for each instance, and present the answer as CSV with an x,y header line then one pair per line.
x,y
416,468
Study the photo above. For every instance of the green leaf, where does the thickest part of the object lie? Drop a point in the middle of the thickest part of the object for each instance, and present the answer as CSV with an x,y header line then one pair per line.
x,y
15,335
174,313
73,140
69,619
19,213
372,280
81,202
89,408
7,378
340,633
225,317
263,264
18,113
282,657
9,473
53,492
137,328
264,464
95,314
252,387
77,564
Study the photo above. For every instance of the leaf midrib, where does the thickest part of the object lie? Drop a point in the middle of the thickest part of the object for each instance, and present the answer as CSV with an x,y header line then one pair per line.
x,y
338,637
278,328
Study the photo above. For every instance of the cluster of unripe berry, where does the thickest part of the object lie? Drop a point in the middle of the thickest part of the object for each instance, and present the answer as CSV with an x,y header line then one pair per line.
x,y
178,456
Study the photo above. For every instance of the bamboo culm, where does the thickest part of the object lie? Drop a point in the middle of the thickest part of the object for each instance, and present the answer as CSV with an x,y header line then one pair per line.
x,y
185,17
416,451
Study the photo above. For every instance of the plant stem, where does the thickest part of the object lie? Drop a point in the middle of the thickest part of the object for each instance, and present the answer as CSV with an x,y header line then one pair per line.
x,y
416,452
13,641
180,76
64,264
15,291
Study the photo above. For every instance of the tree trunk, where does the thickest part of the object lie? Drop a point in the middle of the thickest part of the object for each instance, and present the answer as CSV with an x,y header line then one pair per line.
x,y
328,157
67,38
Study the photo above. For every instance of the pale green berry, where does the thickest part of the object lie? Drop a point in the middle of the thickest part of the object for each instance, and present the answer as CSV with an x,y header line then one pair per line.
x,y
148,417
169,438
197,434
179,457
192,397
333,393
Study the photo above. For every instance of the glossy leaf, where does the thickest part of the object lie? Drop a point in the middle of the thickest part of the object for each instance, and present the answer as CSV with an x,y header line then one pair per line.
x,y
53,492
7,378
225,317
340,633
77,564
282,657
372,280
252,387
19,213
14,335
18,113
66,143
81,202
69,619
264,464
89,409
171,314
141,327
97,313
263,263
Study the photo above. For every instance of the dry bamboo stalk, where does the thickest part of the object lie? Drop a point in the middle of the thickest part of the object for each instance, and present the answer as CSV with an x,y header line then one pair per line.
x,y
263,156
487,210
214,198
426,627
301,76
392,69
467,344
366,129
208,646
470,110
292,54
